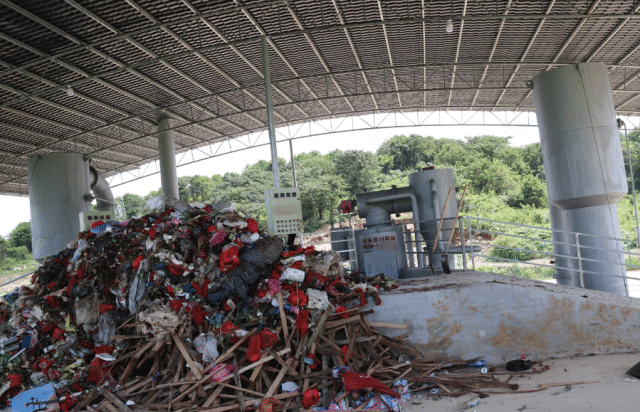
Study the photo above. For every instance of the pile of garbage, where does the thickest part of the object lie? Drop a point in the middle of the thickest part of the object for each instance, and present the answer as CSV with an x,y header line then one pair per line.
x,y
160,312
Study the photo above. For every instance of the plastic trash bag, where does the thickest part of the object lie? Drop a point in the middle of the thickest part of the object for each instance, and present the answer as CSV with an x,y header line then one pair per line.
x,y
264,252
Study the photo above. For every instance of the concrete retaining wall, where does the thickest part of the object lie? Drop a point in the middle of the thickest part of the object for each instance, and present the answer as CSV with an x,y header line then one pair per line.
x,y
463,316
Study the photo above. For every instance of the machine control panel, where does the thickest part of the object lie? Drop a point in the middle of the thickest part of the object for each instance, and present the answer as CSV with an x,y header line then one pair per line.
x,y
87,219
284,211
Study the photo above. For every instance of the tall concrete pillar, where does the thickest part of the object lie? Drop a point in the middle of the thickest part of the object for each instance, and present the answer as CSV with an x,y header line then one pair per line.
x,y
585,174
167,156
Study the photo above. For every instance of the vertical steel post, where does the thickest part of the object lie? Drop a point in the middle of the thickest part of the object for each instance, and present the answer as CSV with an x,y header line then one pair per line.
x,y
293,164
579,260
408,242
473,262
269,103
167,156
463,241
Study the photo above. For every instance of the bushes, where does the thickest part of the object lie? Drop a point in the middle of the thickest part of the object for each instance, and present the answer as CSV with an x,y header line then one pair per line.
x,y
508,243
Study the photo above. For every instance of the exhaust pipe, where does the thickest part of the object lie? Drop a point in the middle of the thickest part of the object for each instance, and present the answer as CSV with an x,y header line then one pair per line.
x,y
101,190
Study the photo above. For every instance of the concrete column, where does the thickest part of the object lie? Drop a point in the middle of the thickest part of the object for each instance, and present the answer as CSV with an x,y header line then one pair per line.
x,y
270,123
167,156
584,169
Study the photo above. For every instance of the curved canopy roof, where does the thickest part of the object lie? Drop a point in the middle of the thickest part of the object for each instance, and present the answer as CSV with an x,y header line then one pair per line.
x,y
199,61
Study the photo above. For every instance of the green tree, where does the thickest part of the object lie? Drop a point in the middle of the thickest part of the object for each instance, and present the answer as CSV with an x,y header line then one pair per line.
x,y
320,187
184,188
451,152
134,205
488,146
532,156
492,177
406,152
533,192
21,235
358,169
201,187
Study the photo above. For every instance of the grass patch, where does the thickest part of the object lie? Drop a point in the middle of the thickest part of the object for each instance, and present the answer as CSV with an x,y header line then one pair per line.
x,y
519,271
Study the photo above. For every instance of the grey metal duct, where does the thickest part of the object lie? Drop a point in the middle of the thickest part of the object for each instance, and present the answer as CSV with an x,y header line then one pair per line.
x,y
101,190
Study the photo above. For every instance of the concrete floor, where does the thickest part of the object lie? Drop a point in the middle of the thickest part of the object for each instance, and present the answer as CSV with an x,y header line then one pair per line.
x,y
614,390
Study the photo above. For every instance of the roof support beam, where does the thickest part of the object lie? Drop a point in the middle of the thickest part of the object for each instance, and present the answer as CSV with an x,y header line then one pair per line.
x,y
153,55
317,53
453,74
386,40
103,55
526,50
355,51
55,86
34,147
575,31
286,61
169,65
612,33
493,50
424,54
319,29
241,55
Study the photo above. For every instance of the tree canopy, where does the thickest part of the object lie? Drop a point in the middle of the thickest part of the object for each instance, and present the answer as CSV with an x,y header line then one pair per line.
x,y
21,235
492,167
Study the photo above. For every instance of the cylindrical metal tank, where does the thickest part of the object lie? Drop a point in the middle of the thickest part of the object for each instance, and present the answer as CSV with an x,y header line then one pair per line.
x,y
584,167
431,188
380,247
59,186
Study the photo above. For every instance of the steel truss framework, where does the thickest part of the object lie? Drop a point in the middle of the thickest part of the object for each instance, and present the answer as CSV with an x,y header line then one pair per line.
x,y
357,122
199,61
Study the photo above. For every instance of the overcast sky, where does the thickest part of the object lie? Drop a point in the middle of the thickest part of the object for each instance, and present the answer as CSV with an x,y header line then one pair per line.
x,y
16,209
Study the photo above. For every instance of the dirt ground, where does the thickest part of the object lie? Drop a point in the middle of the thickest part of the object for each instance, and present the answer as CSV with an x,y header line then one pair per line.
x,y
614,391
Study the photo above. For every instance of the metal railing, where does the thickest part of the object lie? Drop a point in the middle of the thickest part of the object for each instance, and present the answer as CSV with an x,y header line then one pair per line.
x,y
17,279
575,241
412,239
491,229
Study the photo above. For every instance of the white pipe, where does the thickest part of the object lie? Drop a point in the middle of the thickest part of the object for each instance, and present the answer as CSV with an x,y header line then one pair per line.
x,y
416,219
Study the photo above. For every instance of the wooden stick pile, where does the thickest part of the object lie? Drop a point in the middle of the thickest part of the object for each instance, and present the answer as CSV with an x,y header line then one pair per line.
x,y
176,381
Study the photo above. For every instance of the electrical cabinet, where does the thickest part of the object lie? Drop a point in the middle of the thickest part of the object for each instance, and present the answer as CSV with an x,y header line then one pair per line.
x,y
284,211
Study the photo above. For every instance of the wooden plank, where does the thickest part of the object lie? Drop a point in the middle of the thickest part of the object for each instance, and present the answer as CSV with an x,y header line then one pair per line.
x,y
341,322
232,349
256,371
114,399
263,360
236,378
281,361
318,330
388,325
186,356
276,381
213,396
283,317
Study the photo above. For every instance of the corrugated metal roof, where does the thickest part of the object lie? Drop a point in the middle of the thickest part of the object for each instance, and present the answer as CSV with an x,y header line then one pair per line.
x,y
200,62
